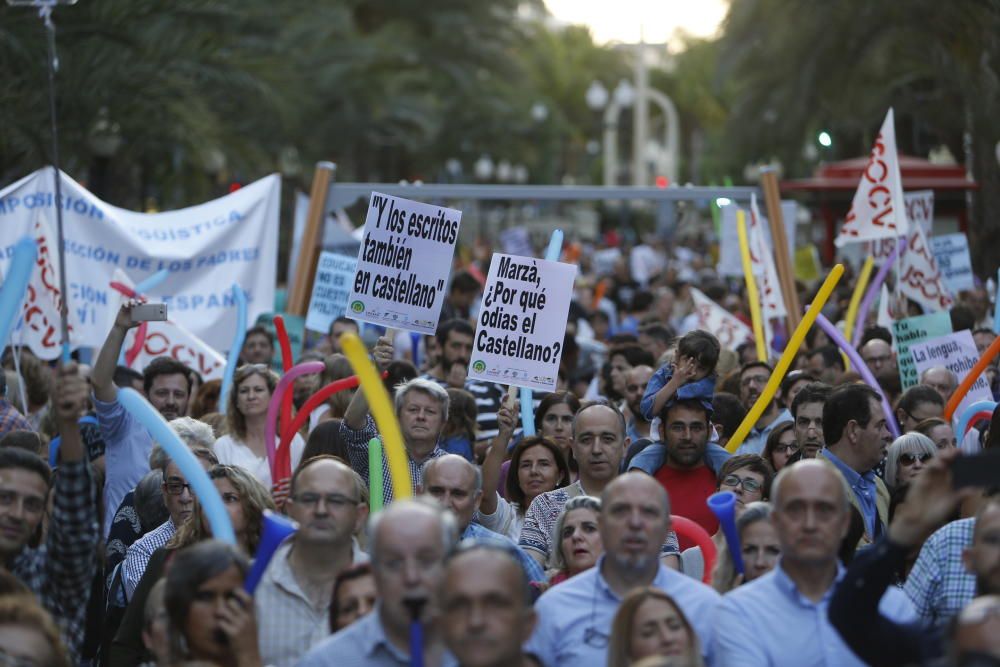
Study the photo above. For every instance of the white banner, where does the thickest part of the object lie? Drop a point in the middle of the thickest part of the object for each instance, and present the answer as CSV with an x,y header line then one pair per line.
x,y
403,263
956,352
207,249
522,322
762,260
878,210
951,253
716,320
331,289
919,276
920,209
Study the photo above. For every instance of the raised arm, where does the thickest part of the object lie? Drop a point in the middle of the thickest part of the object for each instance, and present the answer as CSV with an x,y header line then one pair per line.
x,y
507,420
356,414
103,374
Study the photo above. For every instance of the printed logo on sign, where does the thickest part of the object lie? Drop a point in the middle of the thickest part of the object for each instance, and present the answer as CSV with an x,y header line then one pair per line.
x,y
358,307
479,366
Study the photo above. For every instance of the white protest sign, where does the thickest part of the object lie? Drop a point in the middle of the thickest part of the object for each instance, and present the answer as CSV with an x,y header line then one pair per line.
x,y
956,352
207,248
951,253
762,260
168,339
331,290
716,320
878,209
403,264
522,322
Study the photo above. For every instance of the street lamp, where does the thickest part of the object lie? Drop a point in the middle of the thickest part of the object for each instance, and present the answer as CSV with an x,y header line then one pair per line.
x,y
483,168
539,112
596,96
624,93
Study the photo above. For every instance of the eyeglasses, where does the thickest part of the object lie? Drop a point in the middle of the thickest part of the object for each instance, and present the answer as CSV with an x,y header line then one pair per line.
x,y
909,459
175,487
877,360
749,484
334,500
790,448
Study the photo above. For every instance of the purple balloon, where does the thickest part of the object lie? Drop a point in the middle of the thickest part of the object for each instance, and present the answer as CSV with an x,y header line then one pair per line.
x,y
861,367
873,289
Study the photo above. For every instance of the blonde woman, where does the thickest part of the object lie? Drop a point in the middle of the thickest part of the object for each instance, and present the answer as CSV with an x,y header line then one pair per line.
x,y
649,625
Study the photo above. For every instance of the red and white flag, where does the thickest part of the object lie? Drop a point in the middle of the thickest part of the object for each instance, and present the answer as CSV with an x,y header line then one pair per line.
x,y
878,210
719,322
762,260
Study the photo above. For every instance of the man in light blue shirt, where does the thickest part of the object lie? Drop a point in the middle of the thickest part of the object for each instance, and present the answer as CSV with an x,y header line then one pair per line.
x,y
409,541
781,618
574,617
753,379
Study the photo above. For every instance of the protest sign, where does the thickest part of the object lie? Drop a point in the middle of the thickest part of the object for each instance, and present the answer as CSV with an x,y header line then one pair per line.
x,y
957,352
914,330
920,209
878,209
729,242
206,248
604,261
716,320
951,253
522,322
919,276
331,289
169,339
403,263
762,260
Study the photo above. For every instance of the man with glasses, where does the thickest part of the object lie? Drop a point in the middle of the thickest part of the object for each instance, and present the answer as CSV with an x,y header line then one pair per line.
x,y
293,599
574,618
941,380
684,429
409,541
879,357
753,379
177,496
807,415
857,436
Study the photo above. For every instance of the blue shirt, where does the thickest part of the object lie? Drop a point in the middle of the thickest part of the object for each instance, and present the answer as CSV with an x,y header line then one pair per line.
x,y
865,489
362,644
483,534
939,586
127,445
767,622
574,617
757,438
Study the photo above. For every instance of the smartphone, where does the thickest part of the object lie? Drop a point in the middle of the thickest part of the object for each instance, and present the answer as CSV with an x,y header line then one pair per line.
x,y
149,312
982,470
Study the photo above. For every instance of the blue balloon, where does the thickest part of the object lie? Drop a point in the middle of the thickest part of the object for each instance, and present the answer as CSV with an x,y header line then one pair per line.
x,y
152,282
276,529
234,350
527,400
15,283
187,463
969,413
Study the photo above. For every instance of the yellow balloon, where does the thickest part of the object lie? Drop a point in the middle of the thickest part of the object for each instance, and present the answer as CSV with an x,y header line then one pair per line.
x,y
383,413
859,292
755,316
794,343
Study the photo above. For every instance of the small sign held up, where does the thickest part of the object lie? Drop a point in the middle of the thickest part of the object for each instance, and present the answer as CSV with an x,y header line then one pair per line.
x,y
331,289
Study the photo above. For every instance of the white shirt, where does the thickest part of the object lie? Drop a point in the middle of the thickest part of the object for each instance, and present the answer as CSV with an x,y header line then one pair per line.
x,y
232,452
506,519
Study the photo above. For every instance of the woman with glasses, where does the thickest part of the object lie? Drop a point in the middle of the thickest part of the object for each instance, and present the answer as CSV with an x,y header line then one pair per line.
x,y
906,457
649,624
246,418
245,500
748,477
781,445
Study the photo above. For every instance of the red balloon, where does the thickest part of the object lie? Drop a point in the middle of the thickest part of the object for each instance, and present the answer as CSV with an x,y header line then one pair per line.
x,y
698,535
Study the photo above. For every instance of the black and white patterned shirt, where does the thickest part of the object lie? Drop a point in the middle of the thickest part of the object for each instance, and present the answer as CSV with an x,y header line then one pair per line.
x,y
60,571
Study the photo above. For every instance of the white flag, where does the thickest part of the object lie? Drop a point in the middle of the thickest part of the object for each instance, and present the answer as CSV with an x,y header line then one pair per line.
x,y
762,259
719,322
920,278
41,328
878,209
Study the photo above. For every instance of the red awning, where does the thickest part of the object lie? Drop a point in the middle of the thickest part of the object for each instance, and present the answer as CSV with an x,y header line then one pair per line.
x,y
917,173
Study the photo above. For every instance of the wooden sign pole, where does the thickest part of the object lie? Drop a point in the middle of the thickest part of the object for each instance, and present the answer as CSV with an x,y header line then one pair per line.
x,y
305,272
786,274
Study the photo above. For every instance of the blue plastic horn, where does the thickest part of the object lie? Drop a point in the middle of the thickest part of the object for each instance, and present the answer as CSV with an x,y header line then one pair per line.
x,y
723,506
277,528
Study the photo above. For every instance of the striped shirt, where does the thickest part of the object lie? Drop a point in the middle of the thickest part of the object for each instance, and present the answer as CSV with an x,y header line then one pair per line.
x,y
137,556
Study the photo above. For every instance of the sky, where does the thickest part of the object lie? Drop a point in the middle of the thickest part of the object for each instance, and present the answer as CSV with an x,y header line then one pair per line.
x,y
622,20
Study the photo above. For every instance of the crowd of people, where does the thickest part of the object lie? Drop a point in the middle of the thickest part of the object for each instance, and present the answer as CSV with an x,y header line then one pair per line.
x,y
552,545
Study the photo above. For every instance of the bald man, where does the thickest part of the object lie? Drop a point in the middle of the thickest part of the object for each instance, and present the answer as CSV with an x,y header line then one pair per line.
x,y
941,380
781,618
574,618
878,356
